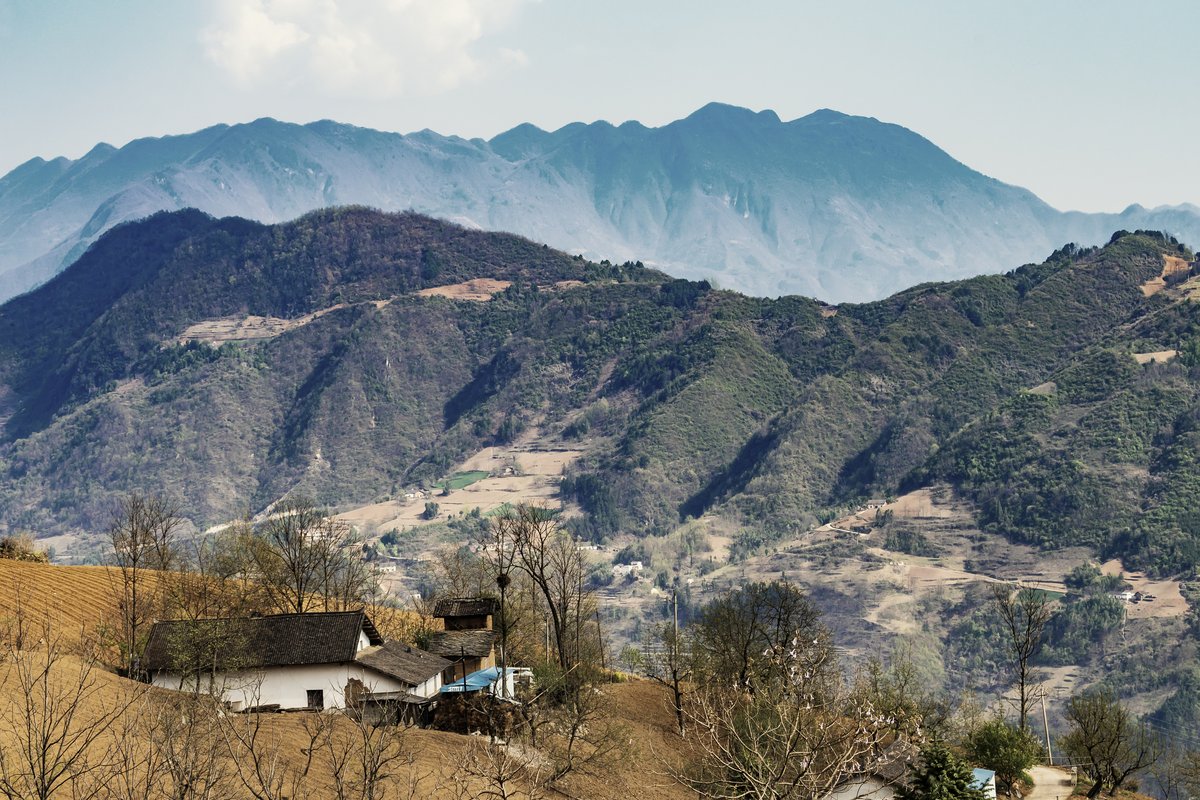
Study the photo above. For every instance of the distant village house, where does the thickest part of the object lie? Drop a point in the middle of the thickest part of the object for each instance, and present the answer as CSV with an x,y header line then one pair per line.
x,y
625,570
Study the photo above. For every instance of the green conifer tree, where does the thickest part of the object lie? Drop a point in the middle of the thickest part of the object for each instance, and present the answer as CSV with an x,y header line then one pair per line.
x,y
940,775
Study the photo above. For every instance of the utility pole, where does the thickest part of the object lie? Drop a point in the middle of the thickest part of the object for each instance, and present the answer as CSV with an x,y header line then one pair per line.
x,y
600,638
1046,724
578,612
502,579
675,612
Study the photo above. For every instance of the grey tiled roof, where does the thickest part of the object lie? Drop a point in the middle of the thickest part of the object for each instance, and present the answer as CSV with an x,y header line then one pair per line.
x,y
455,644
403,662
894,762
270,641
465,607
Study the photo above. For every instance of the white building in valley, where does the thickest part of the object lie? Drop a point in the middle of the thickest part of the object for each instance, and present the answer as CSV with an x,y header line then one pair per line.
x,y
290,661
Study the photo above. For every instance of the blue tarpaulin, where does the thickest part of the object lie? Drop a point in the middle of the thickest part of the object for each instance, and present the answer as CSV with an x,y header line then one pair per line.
x,y
475,682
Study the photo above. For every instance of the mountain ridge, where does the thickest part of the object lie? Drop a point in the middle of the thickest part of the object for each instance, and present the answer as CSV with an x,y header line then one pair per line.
x,y
683,400
829,205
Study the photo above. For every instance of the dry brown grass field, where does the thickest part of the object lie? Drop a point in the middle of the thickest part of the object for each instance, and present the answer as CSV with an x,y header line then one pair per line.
x,y
78,599
1172,265
479,290
536,463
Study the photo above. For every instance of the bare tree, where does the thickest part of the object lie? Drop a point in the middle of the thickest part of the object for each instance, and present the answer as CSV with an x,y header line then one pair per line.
x,y
1175,772
185,735
55,726
739,635
896,690
774,717
134,768
347,580
768,746
164,748
260,764
210,578
1105,739
458,572
142,535
491,771
583,734
551,559
287,554
305,560
668,662
371,762
210,656
1024,613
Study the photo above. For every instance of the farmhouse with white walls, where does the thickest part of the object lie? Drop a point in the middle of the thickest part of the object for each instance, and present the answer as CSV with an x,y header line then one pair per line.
x,y
290,661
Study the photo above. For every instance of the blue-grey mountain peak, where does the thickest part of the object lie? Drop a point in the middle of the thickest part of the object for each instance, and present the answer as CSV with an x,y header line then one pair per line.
x,y
829,205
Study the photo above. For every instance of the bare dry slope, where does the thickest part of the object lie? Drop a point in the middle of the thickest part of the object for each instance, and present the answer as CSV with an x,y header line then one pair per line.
x,y
1172,265
77,599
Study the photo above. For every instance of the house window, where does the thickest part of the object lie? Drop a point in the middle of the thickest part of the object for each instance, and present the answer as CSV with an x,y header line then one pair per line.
x,y
316,698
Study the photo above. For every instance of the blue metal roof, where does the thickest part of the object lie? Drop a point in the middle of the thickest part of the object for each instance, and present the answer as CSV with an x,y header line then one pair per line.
x,y
983,777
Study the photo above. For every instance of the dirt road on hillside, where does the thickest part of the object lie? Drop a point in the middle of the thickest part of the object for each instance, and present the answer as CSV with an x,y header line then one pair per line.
x,y
1050,783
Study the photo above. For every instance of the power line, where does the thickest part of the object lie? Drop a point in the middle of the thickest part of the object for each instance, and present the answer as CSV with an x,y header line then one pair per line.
x,y
1188,735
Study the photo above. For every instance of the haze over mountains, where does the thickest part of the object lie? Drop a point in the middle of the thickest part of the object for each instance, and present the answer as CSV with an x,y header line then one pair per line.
x,y
828,205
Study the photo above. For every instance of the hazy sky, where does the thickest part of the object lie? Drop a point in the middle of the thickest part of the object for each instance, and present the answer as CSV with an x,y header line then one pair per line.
x,y
1092,105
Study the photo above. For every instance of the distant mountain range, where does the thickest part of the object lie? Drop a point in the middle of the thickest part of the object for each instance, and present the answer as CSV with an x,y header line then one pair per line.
x,y
1061,399
833,206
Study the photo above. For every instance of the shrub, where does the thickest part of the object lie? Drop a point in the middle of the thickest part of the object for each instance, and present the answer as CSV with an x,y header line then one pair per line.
x,y
20,548
940,775
1005,749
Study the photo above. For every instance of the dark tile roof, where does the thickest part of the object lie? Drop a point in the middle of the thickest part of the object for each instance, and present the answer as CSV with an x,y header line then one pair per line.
x,y
465,607
403,662
270,641
892,765
455,644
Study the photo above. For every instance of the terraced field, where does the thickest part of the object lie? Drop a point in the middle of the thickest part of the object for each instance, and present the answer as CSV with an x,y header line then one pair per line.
x,y
76,599
527,471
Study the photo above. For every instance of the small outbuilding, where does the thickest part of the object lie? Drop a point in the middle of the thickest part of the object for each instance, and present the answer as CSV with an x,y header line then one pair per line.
x,y
882,777
468,639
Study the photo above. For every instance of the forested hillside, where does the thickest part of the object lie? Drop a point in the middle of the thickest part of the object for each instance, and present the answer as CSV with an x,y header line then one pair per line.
x,y
1022,390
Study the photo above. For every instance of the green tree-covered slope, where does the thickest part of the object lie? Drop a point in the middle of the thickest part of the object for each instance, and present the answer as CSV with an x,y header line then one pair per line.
x,y
685,399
